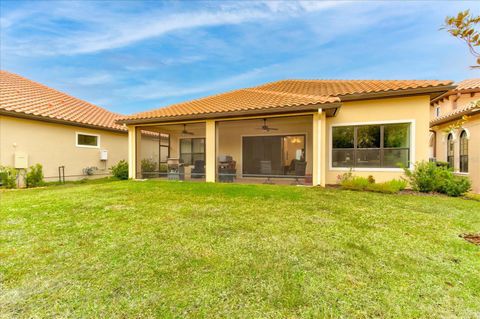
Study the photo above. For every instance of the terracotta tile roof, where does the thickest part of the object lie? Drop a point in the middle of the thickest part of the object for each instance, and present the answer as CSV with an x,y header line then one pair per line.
x,y
283,94
469,84
235,101
468,108
348,87
21,96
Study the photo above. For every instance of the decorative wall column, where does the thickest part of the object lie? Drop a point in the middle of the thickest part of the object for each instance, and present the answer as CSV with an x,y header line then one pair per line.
x,y
132,151
319,148
210,150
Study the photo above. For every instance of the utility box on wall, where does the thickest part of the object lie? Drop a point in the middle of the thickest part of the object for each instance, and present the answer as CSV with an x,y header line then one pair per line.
x,y
21,160
103,155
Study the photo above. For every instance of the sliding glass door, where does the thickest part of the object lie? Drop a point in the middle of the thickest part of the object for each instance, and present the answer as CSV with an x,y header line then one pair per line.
x,y
273,155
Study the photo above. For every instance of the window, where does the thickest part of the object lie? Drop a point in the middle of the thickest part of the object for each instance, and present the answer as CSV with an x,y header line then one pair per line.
x,y
464,152
371,146
191,150
88,140
437,111
450,150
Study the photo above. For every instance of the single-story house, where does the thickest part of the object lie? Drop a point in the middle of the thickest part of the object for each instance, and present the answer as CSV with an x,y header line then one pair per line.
x,y
291,131
66,135
455,129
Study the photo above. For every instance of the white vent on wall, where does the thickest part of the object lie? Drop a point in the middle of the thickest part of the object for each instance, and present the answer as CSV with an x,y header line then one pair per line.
x,y
103,155
21,160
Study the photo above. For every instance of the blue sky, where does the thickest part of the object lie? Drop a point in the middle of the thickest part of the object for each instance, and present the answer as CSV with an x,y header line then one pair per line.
x,y
130,56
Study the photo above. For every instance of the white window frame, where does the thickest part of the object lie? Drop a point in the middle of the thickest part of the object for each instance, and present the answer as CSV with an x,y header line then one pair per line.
x,y
373,169
89,134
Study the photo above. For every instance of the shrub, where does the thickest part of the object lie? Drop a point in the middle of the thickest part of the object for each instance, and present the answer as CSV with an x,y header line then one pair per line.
x,y
354,183
455,186
120,170
391,187
429,177
35,176
8,176
442,164
423,178
163,168
148,165
348,181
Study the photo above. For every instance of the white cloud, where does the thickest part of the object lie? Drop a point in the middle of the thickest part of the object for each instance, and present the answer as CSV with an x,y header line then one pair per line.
x,y
161,90
104,29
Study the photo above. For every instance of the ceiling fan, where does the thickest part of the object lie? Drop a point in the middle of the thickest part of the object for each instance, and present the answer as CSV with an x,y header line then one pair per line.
x,y
266,128
185,132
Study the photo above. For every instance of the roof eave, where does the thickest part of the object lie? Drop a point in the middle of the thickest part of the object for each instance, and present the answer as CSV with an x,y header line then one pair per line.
x,y
472,111
219,115
453,92
434,92
58,121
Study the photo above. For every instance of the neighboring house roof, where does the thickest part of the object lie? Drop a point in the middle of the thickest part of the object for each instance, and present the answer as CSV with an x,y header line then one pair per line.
x,y
469,84
25,98
288,95
465,86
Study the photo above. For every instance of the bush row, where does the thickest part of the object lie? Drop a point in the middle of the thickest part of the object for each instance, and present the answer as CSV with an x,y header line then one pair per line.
x,y
348,181
34,176
428,177
425,177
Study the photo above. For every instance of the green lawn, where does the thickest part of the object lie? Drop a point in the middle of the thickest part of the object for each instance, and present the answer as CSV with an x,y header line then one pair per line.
x,y
168,249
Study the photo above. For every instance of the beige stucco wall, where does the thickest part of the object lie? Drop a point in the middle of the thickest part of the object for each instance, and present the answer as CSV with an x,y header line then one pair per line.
x,y
406,109
53,145
472,125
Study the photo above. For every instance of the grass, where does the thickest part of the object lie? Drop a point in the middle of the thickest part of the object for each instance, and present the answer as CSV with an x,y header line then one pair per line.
x,y
168,249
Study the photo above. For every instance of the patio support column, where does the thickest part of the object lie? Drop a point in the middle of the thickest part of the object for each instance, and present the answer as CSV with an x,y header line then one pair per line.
x,y
210,150
319,148
132,151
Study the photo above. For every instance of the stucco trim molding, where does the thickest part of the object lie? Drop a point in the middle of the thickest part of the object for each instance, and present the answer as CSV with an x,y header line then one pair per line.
x,y
460,130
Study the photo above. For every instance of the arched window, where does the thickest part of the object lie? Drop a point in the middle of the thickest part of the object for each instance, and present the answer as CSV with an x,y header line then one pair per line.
x,y
464,152
450,151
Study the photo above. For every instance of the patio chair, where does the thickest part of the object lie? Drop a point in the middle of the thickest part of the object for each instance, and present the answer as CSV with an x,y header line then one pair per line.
x,y
198,171
300,168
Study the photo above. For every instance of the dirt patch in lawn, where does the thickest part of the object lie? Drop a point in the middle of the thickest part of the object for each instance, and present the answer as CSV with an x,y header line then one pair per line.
x,y
473,238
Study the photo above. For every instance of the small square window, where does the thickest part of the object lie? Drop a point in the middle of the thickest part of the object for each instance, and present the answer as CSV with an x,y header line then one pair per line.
x,y
88,140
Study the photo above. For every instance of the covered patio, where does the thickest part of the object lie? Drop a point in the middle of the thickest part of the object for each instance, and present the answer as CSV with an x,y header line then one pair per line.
x,y
273,149
253,135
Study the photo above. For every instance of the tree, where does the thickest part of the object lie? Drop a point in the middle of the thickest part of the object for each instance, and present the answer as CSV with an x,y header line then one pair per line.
x,y
463,26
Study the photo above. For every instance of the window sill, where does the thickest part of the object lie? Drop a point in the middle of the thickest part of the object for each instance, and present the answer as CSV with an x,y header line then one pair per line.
x,y
366,169
87,146
462,173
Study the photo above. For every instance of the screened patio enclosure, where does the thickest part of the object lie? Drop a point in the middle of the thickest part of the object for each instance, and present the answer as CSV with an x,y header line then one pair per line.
x,y
175,152
258,150
273,150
